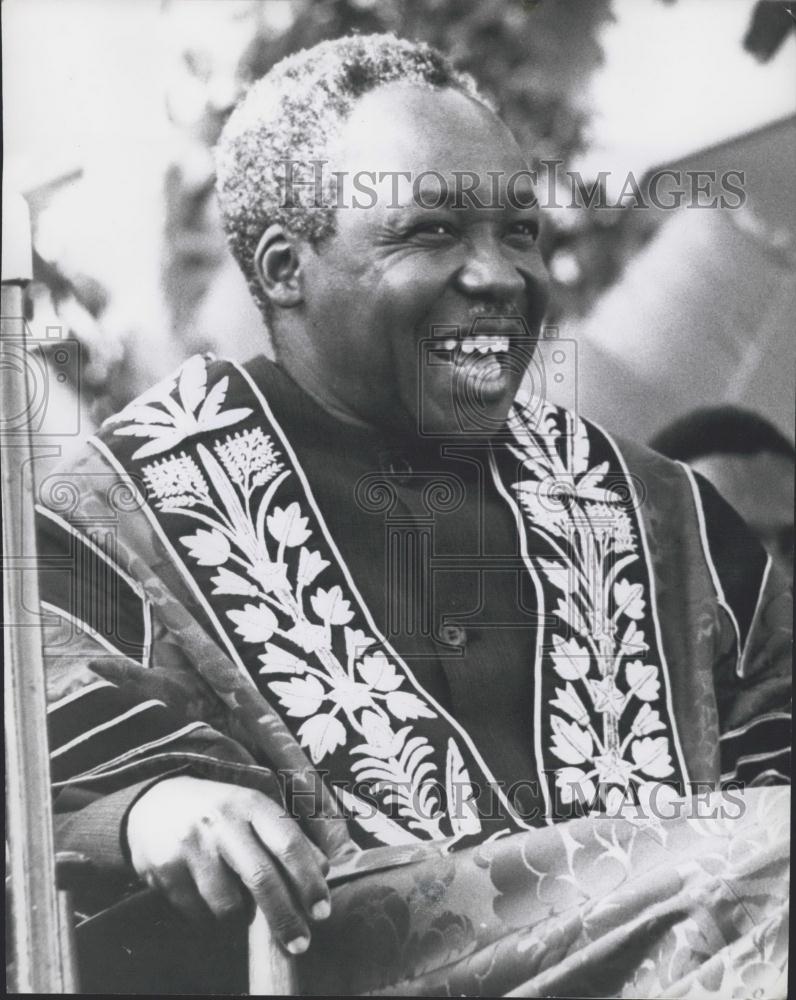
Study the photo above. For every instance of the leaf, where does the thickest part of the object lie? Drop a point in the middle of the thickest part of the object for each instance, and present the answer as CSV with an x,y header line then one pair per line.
x,y
385,830
462,810
643,680
567,701
570,743
568,611
212,405
148,430
415,750
629,598
558,575
651,754
309,566
279,661
227,582
579,448
377,672
146,415
575,786
330,606
157,394
208,548
256,623
356,642
647,720
618,802
224,488
633,640
571,660
161,442
301,696
225,419
288,526
382,742
192,383
405,705
373,771
539,469
587,484
322,735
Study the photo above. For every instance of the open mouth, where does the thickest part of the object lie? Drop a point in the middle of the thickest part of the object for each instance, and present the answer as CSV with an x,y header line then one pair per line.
x,y
485,359
482,344
481,364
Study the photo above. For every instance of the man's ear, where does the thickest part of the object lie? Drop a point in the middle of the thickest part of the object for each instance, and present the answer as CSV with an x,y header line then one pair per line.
x,y
278,269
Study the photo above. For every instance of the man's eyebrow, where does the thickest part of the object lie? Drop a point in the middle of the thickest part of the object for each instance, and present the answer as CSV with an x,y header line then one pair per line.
x,y
428,196
465,203
440,193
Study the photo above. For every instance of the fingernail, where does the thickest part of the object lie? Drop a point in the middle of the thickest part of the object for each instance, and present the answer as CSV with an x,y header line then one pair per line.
x,y
298,945
321,909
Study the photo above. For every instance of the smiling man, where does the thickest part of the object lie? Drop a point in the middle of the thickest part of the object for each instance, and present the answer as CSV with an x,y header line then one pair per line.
x,y
439,675
416,259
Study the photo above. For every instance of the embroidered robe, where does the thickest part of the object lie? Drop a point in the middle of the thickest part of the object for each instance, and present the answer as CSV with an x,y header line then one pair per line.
x,y
216,622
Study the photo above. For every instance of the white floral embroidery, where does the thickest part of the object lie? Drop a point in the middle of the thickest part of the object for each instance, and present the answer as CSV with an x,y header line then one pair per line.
x,y
250,458
176,482
264,555
168,422
593,537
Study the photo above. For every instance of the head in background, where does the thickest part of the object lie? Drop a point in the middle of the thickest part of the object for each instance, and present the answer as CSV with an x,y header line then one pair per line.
x,y
748,460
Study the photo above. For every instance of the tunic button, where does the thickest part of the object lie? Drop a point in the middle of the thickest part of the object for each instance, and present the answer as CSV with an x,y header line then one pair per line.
x,y
454,635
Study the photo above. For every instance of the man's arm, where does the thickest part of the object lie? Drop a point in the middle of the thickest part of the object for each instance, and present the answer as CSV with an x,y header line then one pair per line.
x,y
754,692
173,801
753,678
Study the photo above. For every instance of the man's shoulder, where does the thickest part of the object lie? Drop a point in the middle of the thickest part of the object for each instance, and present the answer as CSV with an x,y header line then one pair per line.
x,y
205,395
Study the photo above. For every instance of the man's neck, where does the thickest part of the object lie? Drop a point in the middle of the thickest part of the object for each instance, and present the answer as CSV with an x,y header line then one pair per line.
x,y
317,386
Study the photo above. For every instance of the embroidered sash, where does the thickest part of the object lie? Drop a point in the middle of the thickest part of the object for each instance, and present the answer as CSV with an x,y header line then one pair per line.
x,y
229,499
602,696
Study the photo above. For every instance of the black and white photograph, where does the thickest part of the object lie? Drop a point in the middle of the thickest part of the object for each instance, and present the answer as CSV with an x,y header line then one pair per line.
x,y
397,445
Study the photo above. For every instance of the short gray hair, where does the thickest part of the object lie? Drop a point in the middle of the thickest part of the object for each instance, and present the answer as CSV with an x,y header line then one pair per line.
x,y
293,113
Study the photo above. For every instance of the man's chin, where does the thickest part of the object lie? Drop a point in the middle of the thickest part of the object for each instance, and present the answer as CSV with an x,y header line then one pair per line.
x,y
467,392
465,415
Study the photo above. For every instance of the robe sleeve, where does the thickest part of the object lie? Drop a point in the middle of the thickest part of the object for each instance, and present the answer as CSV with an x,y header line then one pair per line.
x,y
125,706
753,679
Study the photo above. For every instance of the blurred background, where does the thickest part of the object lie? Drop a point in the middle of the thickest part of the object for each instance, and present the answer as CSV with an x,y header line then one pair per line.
x,y
111,111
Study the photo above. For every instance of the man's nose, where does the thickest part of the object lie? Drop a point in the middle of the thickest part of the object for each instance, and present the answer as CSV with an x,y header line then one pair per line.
x,y
488,273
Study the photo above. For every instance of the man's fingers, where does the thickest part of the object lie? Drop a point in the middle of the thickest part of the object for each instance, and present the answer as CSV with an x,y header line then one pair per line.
x,y
295,855
218,886
320,857
179,887
243,852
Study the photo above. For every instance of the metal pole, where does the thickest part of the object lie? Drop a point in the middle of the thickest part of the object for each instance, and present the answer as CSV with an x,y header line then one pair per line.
x,y
43,960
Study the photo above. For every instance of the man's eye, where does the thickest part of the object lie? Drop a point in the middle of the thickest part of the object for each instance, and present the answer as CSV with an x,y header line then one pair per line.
x,y
438,229
525,230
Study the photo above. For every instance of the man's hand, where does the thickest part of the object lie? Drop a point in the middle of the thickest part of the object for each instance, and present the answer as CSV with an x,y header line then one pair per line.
x,y
203,843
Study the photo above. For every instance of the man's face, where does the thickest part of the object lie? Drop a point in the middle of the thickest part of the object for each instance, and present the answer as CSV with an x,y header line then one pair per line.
x,y
760,488
396,273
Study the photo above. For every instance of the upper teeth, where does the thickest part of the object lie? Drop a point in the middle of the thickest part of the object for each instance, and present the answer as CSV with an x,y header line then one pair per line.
x,y
482,343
